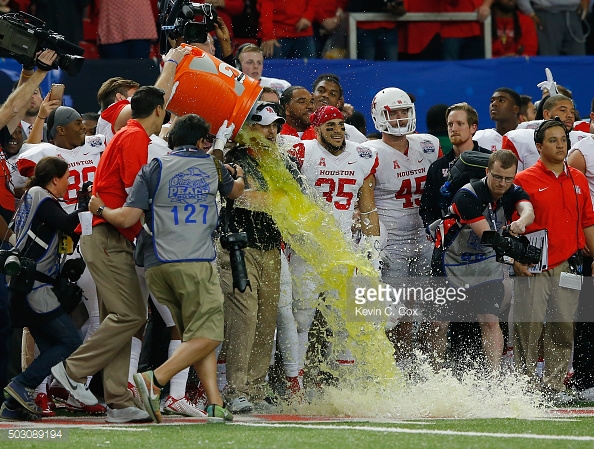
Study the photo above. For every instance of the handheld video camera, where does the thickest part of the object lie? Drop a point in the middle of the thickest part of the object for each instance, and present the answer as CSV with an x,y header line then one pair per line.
x,y
508,246
22,36
176,19
22,270
234,243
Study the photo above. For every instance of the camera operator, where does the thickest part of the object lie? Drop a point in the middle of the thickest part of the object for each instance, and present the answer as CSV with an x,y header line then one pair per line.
x,y
563,208
487,204
41,225
178,250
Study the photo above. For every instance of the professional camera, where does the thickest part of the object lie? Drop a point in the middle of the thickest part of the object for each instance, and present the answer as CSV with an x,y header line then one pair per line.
x,y
22,270
234,243
176,19
508,246
22,36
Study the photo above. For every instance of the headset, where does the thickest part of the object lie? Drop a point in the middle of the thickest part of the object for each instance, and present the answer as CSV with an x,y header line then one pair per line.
x,y
240,49
544,125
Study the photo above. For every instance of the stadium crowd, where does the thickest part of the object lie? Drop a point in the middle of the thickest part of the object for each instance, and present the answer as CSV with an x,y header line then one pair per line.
x,y
123,204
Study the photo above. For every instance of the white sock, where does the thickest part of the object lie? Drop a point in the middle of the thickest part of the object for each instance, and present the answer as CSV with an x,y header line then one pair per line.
x,y
134,358
42,387
177,384
302,338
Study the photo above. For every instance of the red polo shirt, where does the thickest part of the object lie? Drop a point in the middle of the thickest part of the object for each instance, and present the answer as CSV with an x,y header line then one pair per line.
x,y
562,205
121,161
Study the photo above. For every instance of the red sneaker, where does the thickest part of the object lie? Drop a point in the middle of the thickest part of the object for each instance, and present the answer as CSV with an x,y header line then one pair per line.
x,y
42,401
73,405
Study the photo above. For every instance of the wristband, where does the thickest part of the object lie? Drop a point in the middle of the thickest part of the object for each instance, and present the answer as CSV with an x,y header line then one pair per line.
x,y
42,118
172,60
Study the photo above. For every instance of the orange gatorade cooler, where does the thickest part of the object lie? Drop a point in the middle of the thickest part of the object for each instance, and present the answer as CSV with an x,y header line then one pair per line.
x,y
214,90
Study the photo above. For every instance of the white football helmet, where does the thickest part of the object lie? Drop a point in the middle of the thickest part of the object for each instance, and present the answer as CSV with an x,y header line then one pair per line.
x,y
390,99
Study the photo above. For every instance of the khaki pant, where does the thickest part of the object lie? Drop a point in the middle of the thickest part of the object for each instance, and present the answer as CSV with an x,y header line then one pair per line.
x,y
250,320
122,311
543,300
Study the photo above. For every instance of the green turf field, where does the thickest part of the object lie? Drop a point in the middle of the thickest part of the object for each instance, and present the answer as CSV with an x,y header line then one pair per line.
x,y
572,431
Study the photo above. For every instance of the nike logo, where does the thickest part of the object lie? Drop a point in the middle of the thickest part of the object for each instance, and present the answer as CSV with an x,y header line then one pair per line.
x,y
419,161
84,154
542,190
74,386
351,162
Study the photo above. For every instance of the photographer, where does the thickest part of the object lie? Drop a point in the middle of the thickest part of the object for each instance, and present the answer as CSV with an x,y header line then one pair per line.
x,y
173,191
41,226
487,204
563,208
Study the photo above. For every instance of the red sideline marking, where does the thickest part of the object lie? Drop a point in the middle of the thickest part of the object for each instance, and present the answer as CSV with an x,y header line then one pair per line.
x,y
574,411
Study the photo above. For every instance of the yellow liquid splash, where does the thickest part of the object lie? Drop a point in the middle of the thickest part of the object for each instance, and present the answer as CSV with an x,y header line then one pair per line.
x,y
309,227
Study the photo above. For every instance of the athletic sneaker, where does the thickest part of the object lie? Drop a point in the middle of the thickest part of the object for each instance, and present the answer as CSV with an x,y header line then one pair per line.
x,y
76,389
135,396
218,414
17,413
74,405
57,391
240,405
182,406
150,394
43,402
125,415
23,395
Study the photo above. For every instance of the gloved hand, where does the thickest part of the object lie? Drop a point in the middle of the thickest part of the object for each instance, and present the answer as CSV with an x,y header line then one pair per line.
x,y
372,246
549,84
223,135
84,196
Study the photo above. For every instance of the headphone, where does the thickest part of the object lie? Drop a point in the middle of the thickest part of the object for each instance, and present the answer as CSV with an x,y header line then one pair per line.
x,y
539,132
241,48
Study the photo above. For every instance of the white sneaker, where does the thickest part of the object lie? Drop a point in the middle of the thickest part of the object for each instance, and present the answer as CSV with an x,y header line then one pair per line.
x,y
240,405
586,395
182,406
128,414
76,389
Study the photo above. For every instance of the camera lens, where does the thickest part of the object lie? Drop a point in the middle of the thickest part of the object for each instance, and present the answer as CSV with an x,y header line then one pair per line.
x,y
12,266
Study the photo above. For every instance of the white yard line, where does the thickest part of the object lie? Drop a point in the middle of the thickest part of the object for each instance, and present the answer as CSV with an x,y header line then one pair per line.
x,y
422,431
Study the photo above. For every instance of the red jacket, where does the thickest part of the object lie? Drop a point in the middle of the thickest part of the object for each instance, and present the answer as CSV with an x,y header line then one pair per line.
x,y
279,17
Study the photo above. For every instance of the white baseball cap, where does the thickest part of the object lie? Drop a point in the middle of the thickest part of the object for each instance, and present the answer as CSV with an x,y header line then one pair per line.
x,y
263,113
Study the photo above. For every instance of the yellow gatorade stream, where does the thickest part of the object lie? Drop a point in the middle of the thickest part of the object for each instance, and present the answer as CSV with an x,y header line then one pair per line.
x,y
309,227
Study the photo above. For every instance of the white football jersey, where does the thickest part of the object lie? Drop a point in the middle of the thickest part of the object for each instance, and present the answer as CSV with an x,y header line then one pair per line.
x,y
353,134
336,178
586,147
521,143
82,163
399,183
489,139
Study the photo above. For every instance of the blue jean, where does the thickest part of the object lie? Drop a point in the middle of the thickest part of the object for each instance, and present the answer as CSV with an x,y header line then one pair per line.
x,y
56,339
295,47
377,45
